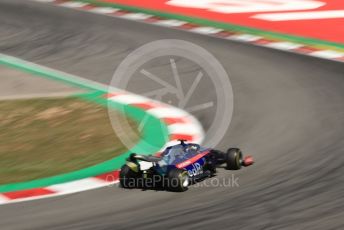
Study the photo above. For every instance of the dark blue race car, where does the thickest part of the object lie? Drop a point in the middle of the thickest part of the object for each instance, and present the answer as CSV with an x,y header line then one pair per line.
x,y
178,166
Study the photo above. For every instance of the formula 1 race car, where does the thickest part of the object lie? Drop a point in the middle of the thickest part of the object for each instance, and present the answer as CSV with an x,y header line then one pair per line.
x,y
178,166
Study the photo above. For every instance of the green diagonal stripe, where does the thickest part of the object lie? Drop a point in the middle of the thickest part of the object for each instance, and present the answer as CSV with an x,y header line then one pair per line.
x,y
154,133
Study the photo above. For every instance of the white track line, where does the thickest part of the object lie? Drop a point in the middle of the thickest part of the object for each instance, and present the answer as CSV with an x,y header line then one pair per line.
x,y
212,31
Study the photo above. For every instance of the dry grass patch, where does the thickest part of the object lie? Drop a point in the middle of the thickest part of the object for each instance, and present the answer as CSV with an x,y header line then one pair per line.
x,y
46,137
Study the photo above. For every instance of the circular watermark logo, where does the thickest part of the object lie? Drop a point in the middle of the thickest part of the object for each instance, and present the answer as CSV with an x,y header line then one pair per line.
x,y
181,74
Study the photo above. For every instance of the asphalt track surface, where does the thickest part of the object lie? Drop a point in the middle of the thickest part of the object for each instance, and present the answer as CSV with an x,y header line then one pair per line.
x,y
289,114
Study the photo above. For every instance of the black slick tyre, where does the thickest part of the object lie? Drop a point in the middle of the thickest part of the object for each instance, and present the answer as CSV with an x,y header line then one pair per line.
x,y
178,180
127,177
233,159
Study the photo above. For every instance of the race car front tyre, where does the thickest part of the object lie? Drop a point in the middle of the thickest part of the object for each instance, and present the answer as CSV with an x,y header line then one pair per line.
x,y
127,177
178,180
233,159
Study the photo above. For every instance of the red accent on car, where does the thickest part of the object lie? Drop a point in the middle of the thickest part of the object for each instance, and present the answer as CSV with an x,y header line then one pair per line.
x,y
191,160
158,154
248,160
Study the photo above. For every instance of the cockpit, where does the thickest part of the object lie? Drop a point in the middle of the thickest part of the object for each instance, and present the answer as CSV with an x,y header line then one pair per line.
x,y
180,152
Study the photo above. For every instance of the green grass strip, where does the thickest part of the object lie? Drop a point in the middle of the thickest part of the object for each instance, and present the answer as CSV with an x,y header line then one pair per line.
x,y
154,133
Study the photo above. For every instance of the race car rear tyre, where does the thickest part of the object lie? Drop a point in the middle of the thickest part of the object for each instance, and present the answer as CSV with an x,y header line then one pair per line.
x,y
127,177
233,159
178,180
